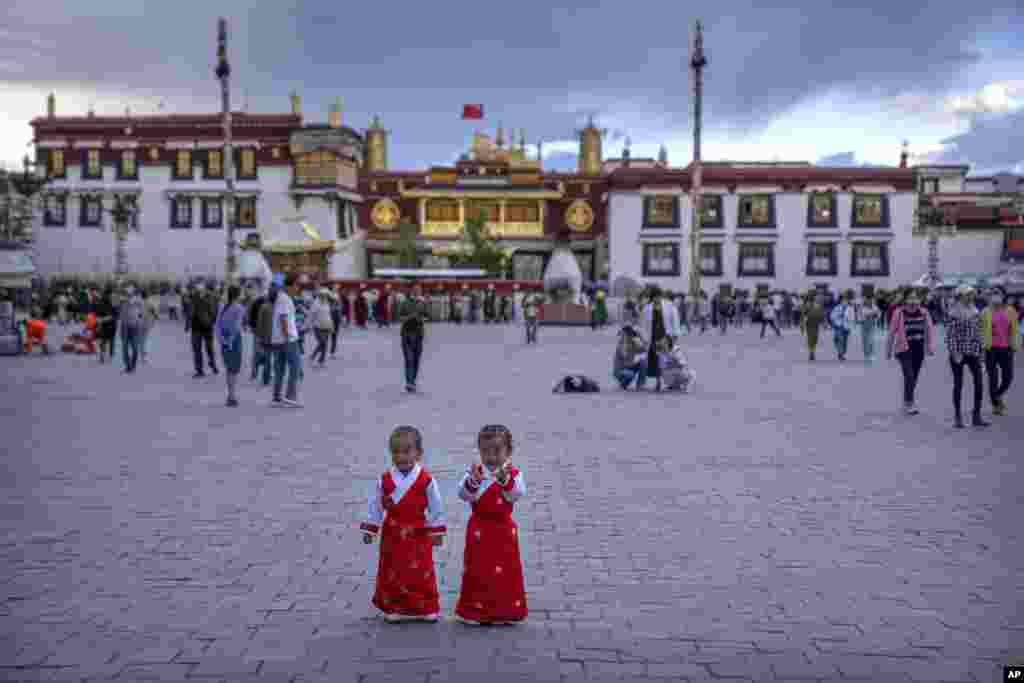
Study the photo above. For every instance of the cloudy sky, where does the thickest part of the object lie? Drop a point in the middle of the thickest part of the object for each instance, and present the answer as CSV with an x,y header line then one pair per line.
x,y
804,82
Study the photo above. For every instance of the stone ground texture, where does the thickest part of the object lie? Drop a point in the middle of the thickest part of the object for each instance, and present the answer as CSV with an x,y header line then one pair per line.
x,y
783,523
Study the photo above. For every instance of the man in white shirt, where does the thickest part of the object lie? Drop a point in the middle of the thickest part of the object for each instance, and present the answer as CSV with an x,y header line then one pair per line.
x,y
284,342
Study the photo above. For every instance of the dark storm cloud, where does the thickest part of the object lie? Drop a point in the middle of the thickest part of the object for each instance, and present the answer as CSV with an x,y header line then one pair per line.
x,y
528,62
994,141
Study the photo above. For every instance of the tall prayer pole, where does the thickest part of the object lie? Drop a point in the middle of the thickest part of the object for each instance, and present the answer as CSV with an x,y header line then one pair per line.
x,y
697,63
223,73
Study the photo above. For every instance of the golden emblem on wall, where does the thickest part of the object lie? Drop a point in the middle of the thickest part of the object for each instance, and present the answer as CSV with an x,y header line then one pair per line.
x,y
385,214
579,216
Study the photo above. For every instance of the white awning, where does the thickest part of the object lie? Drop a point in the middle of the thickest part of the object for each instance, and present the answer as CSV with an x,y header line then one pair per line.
x,y
444,273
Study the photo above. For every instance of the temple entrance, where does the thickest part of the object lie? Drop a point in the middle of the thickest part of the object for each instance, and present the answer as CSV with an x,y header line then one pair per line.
x,y
314,264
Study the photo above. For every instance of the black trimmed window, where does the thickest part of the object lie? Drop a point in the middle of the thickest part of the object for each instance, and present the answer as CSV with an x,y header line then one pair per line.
x,y
92,165
822,259
757,211
90,212
213,212
661,211
55,211
711,264
245,212
661,260
213,164
821,210
869,259
183,166
712,211
128,165
756,260
181,212
132,202
55,164
870,211
246,163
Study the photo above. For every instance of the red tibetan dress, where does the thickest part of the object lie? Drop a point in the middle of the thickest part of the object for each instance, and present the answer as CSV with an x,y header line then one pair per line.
x,y
408,512
493,589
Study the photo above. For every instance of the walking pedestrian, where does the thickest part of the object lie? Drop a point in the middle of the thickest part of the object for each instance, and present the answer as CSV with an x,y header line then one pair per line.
x,y
229,338
813,315
133,314
726,312
531,309
334,302
1001,337
964,344
493,590
285,342
599,311
866,316
186,305
106,326
683,309
911,337
323,326
406,499
202,315
841,319
413,315
660,321
252,321
768,318
151,307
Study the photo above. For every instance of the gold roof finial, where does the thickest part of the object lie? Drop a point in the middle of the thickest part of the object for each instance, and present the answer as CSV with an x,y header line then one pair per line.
x,y
500,138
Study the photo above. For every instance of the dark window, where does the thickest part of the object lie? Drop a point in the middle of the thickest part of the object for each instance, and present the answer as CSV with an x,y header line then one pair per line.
x,y
821,259
55,164
661,260
246,159
181,212
661,211
212,213
821,210
711,259
128,168
757,211
92,212
183,165
92,169
214,166
245,212
870,211
712,206
55,211
756,260
132,202
869,259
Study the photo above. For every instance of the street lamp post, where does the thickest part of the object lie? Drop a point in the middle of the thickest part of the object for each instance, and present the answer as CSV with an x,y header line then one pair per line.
x,y
29,183
223,73
697,63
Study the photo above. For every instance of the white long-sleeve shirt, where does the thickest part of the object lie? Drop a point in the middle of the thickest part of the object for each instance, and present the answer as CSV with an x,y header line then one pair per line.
x,y
517,491
403,482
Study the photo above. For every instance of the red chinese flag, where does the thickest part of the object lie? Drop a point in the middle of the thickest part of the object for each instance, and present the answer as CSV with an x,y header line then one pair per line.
x,y
472,111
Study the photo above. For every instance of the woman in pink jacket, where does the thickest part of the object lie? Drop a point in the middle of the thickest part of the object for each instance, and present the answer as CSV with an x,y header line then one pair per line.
x,y
911,336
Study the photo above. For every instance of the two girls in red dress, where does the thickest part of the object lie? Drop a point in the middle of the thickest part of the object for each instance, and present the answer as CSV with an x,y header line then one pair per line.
x,y
405,508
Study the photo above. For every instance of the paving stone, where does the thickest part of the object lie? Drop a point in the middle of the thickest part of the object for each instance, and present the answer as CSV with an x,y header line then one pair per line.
x,y
234,532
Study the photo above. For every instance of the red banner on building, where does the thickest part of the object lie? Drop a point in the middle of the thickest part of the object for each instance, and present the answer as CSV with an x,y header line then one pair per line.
x,y
472,111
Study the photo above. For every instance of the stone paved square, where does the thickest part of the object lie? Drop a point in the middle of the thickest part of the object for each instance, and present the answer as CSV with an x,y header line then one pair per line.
x,y
784,522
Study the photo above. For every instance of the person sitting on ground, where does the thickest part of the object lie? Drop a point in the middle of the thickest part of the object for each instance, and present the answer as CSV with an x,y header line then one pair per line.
x,y
576,384
630,358
675,369
35,332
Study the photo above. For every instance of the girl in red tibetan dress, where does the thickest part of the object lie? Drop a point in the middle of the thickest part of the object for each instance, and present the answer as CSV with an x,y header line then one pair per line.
x,y
493,590
406,510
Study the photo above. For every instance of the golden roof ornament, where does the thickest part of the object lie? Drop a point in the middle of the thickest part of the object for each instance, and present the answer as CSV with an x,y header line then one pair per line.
x,y
500,138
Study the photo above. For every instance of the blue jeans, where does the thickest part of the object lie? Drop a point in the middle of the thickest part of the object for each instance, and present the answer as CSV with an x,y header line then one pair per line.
x,y
287,354
261,358
627,376
867,335
840,338
130,346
